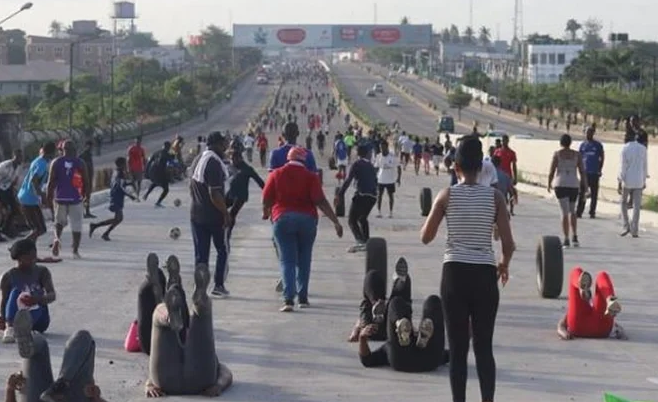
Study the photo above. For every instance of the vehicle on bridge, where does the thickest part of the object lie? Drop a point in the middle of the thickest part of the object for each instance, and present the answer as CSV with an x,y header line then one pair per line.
x,y
378,88
392,101
262,79
370,93
446,125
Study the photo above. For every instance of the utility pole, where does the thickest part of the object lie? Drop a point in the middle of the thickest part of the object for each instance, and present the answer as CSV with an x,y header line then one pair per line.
x,y
470,14
375,13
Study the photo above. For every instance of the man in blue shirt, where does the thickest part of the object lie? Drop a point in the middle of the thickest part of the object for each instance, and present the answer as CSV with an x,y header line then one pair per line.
x,y
31,195
593,158
341,155
278,156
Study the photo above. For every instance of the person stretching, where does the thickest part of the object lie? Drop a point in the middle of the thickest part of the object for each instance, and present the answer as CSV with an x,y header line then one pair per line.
x,y
191,367
117,196
29,287
35,382
364,173
151,293
406,350
585,319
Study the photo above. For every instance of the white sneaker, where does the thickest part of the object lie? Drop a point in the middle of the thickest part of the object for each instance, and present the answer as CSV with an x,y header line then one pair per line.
x,y
8,336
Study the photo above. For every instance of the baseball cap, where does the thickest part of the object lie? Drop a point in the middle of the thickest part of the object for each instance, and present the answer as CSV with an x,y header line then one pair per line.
x,y
215,138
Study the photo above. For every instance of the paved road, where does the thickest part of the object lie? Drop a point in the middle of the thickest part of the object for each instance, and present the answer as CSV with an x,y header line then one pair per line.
x,y
303,357
247,101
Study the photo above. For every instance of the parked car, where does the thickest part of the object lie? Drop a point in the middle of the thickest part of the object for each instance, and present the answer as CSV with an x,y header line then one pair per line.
x,y
378,88
446,125
392,101
262,80
370,93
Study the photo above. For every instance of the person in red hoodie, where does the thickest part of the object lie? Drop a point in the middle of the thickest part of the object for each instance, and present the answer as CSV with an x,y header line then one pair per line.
x,y
291,198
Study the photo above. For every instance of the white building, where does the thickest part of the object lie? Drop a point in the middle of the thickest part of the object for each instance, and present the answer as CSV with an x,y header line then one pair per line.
x,y
169,56
546,63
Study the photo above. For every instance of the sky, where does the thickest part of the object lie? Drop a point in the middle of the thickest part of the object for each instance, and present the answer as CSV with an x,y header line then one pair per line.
x,y
171,19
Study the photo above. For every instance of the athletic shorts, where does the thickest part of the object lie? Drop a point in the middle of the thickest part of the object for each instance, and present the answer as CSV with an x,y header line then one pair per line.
x,y
404,156
436,160
567,192
34,218
341,162
69,212
137,176
390,188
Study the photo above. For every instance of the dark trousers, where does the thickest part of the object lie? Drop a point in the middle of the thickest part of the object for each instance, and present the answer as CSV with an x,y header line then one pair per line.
x,y
358,216
8,200
411,358
593,182
146,303
164,183
202,235
373,290
470,296
77,367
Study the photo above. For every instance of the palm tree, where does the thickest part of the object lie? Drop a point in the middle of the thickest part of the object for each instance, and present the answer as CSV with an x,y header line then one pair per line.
x,y
469,35
180,43
55,28
404,20
572,28
454,34
445,35
484,36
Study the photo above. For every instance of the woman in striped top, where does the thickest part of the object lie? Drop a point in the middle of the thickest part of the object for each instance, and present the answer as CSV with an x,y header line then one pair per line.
x,y
469,288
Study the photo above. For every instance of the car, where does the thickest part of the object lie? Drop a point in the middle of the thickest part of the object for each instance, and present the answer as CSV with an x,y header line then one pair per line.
x,y
446,125
392,101
378,88
370,93
262,79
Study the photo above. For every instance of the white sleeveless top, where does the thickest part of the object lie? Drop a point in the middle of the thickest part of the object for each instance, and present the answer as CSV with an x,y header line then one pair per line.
x,y
470,216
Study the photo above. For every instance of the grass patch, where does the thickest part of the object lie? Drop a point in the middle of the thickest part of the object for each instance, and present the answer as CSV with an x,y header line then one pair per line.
x,y
650,203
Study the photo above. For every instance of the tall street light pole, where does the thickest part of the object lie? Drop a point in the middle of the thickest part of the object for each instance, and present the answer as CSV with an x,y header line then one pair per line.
x,y
24,7
71,59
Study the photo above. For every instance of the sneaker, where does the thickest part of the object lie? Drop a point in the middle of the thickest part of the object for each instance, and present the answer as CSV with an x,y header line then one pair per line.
x,y
575,242
357,248
287,307
379,311
55,248
92,229
174,303
585,284
403,328
23,333
158,205
173,270
401,269
8,336
279,285
153,275
614,307
625,232
425,332
303,303
220,292
566,243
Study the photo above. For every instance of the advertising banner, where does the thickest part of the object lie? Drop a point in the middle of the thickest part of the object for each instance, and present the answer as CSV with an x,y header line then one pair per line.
x,y
282,36
349,36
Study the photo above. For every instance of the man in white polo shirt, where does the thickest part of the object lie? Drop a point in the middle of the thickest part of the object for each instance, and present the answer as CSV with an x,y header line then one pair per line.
x,y
388,174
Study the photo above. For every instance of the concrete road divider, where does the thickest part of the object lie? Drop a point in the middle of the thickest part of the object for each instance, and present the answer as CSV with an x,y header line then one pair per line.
x,y
550,267
425,201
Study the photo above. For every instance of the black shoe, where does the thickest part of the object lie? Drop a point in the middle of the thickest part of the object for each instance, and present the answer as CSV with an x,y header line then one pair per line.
x,y
153,275
201,281
173,270
90,216
56,391
592,216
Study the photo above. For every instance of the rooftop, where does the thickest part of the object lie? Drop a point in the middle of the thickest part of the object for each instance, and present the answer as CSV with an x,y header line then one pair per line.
x,y
36,71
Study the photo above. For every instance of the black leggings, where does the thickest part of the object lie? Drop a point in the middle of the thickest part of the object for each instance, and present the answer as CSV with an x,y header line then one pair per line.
x,y
374,288
358,216
470,295
164,183
146,304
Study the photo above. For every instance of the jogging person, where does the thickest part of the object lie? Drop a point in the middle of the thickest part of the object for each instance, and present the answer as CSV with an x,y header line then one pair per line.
x,y
469,288
209,213
248,143
365,175
321,139
507,158
31,195
261,144
406,147
67,189
117,198
157,169
389,173
137,164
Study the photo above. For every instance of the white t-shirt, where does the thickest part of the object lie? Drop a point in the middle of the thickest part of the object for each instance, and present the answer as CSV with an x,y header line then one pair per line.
x,y
248,142
387,169
488,175
8,174
407,145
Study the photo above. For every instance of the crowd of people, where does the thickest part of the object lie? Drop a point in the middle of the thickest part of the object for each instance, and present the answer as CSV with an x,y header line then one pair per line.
x,y
179,341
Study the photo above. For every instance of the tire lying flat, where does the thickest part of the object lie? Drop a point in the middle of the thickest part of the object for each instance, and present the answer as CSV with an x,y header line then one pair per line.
x,y
550,267
425,201
340,207
377,256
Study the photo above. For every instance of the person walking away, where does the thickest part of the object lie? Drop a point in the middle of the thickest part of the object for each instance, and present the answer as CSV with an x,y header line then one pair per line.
x,y
309,141
157,170
320,138
31,195
406,147
238,190
249,146
566,167
633,174
365,175
137,164
208,212
418,154
427,155
593,156
10,171
291,198
289,138
28,286
507,158
341,154
469,289
389,172
436,151
117,199
261,144
88,158
67,195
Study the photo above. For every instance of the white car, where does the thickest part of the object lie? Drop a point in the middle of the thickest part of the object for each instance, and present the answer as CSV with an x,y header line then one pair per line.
x,y
262,80
378,88
392,101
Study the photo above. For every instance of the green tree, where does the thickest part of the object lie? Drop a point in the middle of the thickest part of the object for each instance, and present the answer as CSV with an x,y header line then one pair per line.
x,y
140,40
459,100
592,34
215,48
180,43
446,36
15,103
55,28
404,20
484,36
572,28
455,36
469,36
476,79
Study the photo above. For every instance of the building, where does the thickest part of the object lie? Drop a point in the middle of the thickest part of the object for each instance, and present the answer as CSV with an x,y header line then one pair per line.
x,y
497,66
170,57
546,63
29,79
4,54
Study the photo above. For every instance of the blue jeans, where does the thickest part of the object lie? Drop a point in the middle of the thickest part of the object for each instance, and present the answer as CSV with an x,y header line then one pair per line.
x,y
294,234
202,234
40,316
